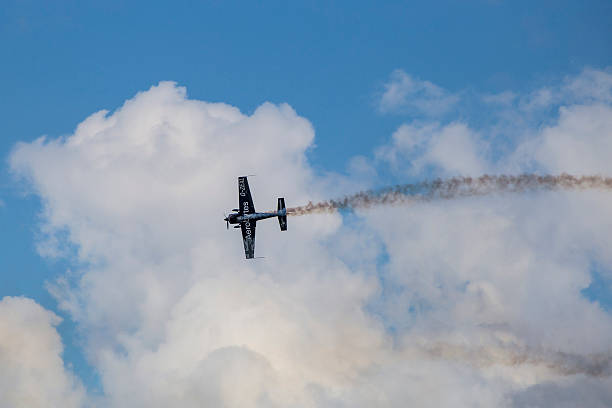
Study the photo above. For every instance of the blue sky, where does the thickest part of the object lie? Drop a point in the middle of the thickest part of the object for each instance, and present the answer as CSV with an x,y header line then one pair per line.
x,y
330,62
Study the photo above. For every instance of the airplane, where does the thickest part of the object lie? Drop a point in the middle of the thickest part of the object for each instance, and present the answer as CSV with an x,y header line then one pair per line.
x,y
246,217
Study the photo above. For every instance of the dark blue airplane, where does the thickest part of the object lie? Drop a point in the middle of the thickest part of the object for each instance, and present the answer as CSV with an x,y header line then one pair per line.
x,y
246,216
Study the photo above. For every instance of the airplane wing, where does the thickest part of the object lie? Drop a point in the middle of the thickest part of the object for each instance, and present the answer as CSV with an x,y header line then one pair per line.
x,y
245,201
248,238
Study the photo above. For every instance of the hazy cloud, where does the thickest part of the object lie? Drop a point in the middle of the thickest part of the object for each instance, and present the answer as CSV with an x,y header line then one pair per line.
x,y
508,270
453,149
406,94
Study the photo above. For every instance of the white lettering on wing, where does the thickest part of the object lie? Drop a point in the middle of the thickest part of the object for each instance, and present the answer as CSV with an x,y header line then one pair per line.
x,y
242,188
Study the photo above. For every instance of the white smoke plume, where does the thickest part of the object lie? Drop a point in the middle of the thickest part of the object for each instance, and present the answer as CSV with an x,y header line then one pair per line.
x,y
456,187
562,363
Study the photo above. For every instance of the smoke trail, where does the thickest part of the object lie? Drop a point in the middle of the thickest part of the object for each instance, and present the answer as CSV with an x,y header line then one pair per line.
x,y
562,363
455,187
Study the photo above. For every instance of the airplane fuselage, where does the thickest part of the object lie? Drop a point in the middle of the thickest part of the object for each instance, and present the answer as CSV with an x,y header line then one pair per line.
x,y
238,218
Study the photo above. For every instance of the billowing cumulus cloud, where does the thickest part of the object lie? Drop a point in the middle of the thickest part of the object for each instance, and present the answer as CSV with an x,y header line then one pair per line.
x,y
166,296
32,373
464,303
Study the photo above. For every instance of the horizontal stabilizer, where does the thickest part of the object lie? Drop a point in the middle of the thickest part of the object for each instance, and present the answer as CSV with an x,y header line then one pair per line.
x,y
282,219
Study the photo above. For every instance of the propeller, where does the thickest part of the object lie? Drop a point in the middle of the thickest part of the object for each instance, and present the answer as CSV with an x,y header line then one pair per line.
x,y
226,221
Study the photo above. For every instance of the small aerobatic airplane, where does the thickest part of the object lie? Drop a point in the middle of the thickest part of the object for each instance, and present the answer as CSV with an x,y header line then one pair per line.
x,y
246,216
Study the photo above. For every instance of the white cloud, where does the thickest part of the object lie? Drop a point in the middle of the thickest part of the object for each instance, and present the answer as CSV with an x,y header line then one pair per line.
x,y
508,270
480,302
142,192
579,143
451,149
403,93
583,392
32,373
589,87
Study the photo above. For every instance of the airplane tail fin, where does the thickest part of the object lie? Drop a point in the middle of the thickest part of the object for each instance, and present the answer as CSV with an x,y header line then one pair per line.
x,y
282,219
